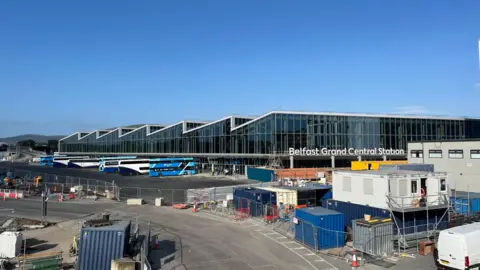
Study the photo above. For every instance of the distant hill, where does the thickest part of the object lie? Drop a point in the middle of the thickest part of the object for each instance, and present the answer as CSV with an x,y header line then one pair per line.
x,y
36,137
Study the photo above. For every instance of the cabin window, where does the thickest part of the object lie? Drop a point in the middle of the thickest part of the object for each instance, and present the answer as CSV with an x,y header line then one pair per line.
x,y
475,154
416,154
435,153
443,185
455,154
368,186
347,184
414,186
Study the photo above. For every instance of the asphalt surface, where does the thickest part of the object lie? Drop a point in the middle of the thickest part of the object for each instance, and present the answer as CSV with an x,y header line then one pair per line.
x,y
187,240
172,189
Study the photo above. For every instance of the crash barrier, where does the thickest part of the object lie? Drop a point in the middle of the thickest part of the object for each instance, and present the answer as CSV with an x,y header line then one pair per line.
x,y
11,194
202,195
135,201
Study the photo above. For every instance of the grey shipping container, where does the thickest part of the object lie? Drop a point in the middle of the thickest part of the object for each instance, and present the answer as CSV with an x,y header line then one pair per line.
x,y
374,237
99,246
407,167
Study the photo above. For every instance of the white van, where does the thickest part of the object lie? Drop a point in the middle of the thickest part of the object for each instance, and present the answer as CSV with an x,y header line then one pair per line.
x,y
459,247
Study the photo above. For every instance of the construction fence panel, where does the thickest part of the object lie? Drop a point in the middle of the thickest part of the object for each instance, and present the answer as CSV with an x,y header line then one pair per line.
x,y
202,195
170,196
61,184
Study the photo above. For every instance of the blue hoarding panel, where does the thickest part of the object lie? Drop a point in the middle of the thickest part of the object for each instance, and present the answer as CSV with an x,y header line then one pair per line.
x,y
99,246
320,228
260,174
408,222
466,206
255,200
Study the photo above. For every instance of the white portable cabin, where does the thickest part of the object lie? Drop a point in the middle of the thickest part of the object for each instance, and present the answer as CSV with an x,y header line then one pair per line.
x,y
285,196
390,189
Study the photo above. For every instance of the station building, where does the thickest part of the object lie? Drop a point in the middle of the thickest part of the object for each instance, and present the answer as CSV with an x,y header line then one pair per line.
x,y
459,158
245,140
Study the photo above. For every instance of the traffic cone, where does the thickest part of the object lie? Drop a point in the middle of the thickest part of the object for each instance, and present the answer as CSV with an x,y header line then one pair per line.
x,y
194,209
354,260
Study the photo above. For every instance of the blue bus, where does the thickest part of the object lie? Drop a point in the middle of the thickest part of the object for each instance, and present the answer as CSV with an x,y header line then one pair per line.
x,y
171,166
48,160
110,164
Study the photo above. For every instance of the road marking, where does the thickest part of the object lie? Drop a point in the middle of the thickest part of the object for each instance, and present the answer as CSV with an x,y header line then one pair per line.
x,y
299,248
281,237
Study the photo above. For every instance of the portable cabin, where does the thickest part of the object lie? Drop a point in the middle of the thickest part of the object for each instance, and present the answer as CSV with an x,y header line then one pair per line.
x,y
374,164
286,197
396,190
407,167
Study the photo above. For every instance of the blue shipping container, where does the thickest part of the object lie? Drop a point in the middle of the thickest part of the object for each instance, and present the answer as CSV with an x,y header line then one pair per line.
x,y
260,174
99,246
253,199
320,228
408,222
466,206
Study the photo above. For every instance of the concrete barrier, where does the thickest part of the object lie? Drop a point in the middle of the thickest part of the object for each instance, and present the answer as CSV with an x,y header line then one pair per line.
x,y
135,202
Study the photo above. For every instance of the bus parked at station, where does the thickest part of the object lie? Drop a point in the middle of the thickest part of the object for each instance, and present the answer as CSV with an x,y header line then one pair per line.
x,y
62,162
110,164
83,163
171,166
133,167
48,160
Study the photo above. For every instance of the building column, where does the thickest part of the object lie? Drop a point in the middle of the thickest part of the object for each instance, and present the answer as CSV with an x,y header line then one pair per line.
x,y
233,169
384,158
292,165
359,158
333,161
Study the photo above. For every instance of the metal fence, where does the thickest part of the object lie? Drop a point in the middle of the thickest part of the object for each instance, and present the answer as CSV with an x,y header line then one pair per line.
x,y
170,196
215,194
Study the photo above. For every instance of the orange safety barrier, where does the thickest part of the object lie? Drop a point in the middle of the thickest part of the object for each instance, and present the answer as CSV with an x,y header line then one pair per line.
x,y
300,206
180,206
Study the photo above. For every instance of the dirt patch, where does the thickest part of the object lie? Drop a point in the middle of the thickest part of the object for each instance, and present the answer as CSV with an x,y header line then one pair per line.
x,y
21,224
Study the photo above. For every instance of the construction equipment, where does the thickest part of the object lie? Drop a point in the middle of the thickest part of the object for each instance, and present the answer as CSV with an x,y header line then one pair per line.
x,y
38,180
73,251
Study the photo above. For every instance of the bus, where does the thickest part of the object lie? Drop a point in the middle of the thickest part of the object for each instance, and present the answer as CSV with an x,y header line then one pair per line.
x,y
133,167
171,166
48,160
83,163
62,162
110,164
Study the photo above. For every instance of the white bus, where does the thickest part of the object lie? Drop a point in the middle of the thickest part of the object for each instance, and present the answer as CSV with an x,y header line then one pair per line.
x,y
133,167
83,163
62,162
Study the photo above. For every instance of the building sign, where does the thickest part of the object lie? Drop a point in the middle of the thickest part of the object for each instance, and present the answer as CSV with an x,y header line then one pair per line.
x,y
346,152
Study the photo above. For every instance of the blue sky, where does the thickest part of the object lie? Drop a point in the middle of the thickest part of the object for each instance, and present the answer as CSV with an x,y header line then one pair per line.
x,y
69,66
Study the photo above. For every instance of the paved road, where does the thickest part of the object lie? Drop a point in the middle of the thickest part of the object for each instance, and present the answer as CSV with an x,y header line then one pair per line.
x,y
182,182
187,240
57,211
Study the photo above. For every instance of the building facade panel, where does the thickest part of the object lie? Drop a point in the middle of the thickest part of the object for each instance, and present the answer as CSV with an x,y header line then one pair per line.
x,y
166,140
134,141
279,132
460,159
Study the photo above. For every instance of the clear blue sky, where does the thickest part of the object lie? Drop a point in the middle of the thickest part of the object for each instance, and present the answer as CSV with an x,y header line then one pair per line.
x,y
69,66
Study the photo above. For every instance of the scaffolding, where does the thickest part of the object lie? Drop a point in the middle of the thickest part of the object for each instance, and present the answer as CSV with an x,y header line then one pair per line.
x,y
274,161
409,231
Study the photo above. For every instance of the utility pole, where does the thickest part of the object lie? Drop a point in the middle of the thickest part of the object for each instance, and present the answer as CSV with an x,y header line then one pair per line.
x,y
44,204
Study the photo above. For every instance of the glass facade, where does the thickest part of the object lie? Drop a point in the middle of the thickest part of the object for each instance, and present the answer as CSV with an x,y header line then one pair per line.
x,y
278,132
167,140
211,138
